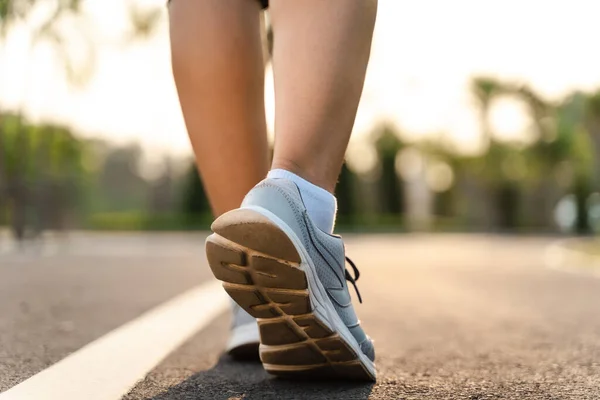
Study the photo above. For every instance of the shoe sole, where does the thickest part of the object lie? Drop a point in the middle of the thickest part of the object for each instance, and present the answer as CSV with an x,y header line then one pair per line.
x,y
263,272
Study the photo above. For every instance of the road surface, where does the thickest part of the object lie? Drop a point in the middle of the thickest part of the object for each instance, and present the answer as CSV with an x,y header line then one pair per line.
x,y
453,317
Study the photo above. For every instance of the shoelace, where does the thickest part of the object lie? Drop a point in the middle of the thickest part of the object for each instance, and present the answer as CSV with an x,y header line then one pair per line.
x,y
353,279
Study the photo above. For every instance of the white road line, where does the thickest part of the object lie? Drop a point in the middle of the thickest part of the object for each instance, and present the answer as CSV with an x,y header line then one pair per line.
x,y
109,367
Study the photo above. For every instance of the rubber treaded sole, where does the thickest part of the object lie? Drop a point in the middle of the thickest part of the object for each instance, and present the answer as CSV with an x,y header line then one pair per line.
x,y
262,271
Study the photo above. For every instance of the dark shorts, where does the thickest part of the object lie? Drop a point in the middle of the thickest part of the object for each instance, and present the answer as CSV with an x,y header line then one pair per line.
x,y
263,3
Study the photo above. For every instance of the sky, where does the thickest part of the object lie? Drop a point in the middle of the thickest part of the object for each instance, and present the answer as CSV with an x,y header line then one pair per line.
x,y
424,55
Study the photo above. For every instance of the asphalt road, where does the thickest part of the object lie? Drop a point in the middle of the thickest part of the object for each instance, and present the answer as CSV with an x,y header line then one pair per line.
x,y
453,317
57,298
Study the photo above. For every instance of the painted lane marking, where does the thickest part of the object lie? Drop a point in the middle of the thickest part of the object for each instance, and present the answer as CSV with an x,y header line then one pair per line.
x,y
110,366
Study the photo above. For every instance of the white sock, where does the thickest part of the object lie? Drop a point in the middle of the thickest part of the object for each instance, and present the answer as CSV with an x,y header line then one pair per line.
x,y
320,204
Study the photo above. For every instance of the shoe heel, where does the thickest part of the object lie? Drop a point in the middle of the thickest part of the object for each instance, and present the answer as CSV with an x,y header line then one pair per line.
x,y
258,264
261,271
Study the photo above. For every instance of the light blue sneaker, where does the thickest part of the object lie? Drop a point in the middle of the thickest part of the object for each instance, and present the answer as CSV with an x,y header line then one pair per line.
x,y
278,266
244,337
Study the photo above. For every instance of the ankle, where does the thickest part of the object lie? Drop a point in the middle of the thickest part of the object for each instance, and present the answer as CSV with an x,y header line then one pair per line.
x,y
309,174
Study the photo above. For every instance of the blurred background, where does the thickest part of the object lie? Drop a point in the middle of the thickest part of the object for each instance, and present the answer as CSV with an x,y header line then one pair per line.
x,y
475,117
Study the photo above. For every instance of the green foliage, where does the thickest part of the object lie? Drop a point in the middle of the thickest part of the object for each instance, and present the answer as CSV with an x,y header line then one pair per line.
x,y
41,167
388,144
195,203
593,105
140,220
566,137
48,175
485,88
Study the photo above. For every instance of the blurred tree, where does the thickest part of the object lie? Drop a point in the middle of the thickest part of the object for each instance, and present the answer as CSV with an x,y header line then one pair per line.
x,y
388,144
162,196
195,203
485,90
48,21
439,150
40,165
123,187
68,177
560,139
15,148
592,118
3,176
575,127
503,210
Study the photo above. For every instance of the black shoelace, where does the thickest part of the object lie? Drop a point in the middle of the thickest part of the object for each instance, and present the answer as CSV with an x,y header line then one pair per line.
x,y
353,279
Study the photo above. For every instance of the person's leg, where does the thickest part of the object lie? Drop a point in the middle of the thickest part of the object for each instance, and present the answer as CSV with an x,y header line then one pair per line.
x,y
320,55
219,73
218,68
280,266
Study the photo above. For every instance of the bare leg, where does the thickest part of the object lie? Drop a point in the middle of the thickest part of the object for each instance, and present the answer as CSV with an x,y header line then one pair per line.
x,y
321,51
219,73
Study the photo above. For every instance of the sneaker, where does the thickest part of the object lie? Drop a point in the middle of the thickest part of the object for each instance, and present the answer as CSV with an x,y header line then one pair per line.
x,y
280,268
244,338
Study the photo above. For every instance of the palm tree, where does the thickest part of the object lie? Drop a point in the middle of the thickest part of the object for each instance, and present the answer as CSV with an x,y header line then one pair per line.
x,y
3,177
542,156
391,193
486,90
556,125
502,210
561,139
593,128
